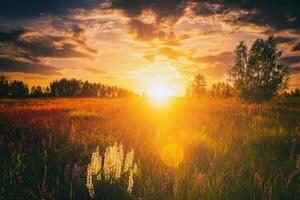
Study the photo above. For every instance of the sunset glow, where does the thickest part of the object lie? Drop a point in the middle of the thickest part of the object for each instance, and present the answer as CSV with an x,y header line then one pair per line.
x,y
159,92
112,41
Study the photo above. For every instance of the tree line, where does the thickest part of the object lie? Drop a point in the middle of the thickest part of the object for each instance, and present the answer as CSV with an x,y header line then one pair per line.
x,y
61,88
256,75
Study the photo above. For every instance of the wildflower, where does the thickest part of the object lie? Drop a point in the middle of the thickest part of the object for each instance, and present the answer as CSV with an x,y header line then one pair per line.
x,y
295,172
20,179
280,175
130,182
269,194
89,182
76,172
220,178
164,186
201,178
258,178
112,168
43,190
52,195
238,158
274,158
298,162
175,186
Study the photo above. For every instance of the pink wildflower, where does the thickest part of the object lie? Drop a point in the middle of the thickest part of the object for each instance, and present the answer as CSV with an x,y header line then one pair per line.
x,y
258,178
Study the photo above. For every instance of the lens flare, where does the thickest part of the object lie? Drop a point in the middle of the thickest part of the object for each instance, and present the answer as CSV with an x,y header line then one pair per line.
x,y
172,155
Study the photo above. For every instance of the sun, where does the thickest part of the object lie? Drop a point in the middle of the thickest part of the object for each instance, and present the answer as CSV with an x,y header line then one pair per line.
x,y
159,92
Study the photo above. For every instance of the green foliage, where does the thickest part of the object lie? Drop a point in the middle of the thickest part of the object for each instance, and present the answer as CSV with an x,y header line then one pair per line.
x,y
256,73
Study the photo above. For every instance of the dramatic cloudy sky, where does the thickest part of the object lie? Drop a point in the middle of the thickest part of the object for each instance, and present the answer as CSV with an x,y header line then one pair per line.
x,y
134,43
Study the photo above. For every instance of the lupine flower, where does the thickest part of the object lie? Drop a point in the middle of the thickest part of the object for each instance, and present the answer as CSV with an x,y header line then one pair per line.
x,y
201,178
298,162
52,195
114,167
20,179
175,186
164,186
258,178
220,178
238,158
43,191
269,194
76,172
280,175
295,172
274,158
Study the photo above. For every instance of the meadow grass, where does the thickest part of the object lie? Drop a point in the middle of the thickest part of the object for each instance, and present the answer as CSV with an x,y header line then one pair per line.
x,y
185,149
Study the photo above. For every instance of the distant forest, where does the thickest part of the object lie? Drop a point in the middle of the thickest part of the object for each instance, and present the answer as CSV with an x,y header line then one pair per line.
x,y
61,88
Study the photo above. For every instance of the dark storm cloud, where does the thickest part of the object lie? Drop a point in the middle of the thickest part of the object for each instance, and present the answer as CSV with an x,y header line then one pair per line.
x,y
295,70
283,40
279,14
296,47
143,31
11,65
11,36
290,60
33,46
23,50
171,9
26,9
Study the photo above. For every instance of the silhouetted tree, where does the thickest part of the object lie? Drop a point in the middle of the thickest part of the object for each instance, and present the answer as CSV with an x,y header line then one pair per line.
x,y
221,90
256,73
295,93
4,87
198,86
37,91
18,89
73,87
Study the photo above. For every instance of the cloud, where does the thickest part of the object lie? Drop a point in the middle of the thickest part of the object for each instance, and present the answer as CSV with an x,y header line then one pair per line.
x,y
94,70
290,60
143,31
151,32
276,14
11,65
296,47
11,36
149,57
19,9
295,70
218,63
170,53
33,46
163,9
283,39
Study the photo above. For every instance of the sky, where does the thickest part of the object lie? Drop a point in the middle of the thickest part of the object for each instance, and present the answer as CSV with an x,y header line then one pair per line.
x,y
140,43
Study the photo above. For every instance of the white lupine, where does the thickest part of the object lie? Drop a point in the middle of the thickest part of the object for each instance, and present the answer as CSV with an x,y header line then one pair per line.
x,y
130,182
113,168
128,161
89,181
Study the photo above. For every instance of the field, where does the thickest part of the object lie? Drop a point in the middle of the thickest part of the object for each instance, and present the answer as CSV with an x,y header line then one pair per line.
x,y
184,149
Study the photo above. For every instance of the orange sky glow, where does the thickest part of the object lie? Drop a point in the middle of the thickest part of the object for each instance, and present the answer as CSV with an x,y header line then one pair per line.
x,y
139,51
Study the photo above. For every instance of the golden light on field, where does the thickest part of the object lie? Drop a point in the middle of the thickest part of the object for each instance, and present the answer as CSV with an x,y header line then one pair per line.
x,y
172,155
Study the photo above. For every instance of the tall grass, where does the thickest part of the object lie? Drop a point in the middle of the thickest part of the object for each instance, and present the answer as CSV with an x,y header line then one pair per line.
x,y
223,149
